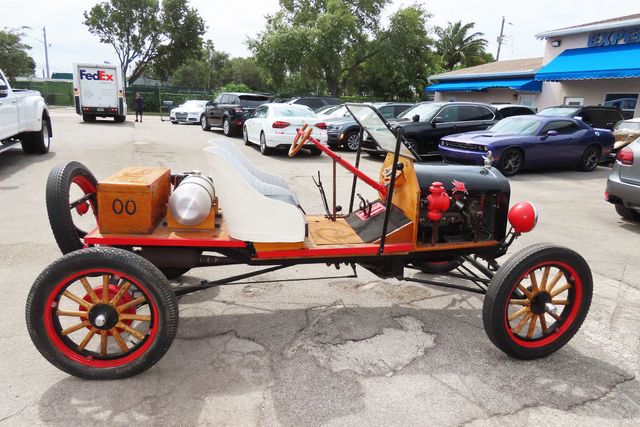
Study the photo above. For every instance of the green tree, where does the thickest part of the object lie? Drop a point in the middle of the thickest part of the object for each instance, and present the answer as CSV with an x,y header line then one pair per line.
x,y
458,47
403,57
145,32
14,59
322,41
247,72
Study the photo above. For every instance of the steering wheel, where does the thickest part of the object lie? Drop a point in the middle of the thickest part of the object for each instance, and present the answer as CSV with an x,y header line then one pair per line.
x,y
301,138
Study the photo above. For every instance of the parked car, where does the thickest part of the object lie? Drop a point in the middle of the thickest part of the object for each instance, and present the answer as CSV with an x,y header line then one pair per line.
x,y
625,132
274,126
344,131
24,119
230,110
623,185
315,102
427,122
510,110
189,112
524,142
594,115
336,111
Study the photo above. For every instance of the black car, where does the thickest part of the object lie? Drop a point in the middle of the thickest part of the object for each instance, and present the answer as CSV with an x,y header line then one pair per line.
x,y
427,122
230,110
510,110
344,131
315,102
595,116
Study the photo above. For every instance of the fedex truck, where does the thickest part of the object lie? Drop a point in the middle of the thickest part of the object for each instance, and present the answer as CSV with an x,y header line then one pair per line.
x,y
98,90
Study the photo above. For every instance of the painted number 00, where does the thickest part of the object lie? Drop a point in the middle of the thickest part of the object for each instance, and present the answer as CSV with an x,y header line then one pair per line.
x,y
118,206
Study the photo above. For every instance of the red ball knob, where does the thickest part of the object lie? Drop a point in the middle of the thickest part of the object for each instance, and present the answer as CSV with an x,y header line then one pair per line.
x,y
523,217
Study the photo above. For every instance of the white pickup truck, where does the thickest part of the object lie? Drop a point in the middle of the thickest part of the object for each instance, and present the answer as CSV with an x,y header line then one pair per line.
x,y
24,119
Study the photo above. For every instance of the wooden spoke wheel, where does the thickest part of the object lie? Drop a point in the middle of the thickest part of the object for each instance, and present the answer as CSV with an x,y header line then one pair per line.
x,y
72,204
102,313
537,301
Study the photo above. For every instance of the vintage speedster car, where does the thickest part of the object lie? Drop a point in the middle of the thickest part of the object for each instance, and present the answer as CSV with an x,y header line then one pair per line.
x,y
107,310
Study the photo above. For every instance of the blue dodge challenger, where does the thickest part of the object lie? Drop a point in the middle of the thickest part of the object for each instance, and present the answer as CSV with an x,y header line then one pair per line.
x,y
530,142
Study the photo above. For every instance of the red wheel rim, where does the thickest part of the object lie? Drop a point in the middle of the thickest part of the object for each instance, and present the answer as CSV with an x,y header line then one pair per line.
x,y
531,322
70,344
89,189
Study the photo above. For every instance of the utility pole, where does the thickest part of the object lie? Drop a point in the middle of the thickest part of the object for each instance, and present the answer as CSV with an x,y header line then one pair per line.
x,y
500,39
46,50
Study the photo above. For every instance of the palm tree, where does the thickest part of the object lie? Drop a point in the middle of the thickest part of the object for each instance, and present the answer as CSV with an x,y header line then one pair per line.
x,y
459,48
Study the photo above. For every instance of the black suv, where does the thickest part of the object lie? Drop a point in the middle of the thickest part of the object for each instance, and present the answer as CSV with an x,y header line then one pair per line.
x,y
595,116
315,102
427,122
230,110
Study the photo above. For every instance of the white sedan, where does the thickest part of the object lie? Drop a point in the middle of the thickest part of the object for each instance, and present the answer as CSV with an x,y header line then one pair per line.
x,y
189,112
275,126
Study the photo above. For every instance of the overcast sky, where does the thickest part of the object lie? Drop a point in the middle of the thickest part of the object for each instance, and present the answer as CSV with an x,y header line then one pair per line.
x,y
230,23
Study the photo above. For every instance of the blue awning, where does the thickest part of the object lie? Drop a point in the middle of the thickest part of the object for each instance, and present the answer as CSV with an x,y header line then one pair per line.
x,y
609,62
525,85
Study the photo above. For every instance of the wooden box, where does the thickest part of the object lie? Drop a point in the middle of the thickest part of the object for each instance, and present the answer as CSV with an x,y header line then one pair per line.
x,y
134,200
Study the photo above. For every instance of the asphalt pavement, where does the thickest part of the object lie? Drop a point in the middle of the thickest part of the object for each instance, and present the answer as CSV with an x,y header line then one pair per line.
x,y
327,350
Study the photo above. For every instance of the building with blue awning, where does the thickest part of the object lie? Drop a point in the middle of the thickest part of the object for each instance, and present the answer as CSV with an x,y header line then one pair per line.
x,y
590,64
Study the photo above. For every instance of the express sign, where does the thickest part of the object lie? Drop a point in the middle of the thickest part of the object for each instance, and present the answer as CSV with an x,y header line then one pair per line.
x,y
98,75
612,38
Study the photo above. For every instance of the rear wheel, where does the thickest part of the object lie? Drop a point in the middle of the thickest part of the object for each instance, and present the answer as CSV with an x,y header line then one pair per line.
x,y
72,204
226,127
590,159
37,142
204,124
119,119
102,313
88,118
537,301
510,162
315,151
264,149
627,213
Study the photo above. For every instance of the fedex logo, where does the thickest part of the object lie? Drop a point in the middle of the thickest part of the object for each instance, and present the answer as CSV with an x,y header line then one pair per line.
x,y
99,75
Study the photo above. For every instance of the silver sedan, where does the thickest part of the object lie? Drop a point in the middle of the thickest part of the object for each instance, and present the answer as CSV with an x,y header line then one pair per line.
x,y
623,185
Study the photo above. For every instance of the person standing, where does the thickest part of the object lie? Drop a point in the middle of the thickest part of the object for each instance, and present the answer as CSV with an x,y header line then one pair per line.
x,y
139,105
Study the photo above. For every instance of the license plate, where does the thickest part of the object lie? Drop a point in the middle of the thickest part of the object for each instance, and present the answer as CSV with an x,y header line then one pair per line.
x,y
99,109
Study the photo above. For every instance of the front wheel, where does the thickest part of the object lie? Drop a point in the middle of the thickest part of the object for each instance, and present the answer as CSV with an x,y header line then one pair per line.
x,y
102,313
204,124
510,162
537,301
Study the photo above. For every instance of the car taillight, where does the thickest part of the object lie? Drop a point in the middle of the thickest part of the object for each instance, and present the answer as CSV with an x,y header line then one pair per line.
x,y
625,156
280,125
321,125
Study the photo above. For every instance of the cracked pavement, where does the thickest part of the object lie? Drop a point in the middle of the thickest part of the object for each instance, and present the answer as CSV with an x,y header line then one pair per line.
x,y
334,351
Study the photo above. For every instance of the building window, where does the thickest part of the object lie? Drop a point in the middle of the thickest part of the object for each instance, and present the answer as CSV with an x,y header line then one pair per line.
x,y
625,101
573,100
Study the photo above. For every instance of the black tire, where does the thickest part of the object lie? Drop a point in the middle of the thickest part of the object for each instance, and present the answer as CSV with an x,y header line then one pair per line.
x,y
67,234
315,151
174,122
589,159
226,127
88,118
438,267
351,141
204,123
412,144
37,142
173,273
627,213
120,119
264,149
45,323
504,294
510,162
245,136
